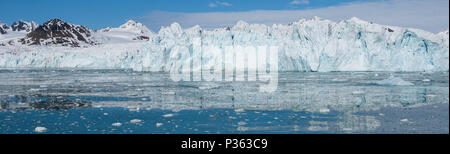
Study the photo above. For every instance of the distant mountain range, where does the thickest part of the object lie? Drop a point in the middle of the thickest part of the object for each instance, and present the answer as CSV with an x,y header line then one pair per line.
x,y
61,33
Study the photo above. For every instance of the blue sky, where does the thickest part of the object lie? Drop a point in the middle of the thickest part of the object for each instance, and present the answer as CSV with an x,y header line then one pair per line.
x,y
98,14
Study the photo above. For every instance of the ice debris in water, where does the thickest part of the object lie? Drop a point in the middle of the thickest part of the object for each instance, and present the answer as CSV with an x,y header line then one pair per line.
x,y
239,110
168,115
117,124
394,81
242,123
40,129
426,80
159,124
358,92
135,121
324,110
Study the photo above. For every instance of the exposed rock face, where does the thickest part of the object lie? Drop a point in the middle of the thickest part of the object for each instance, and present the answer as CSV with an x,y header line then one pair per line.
x,y
3,28
142,38
58,32
24,26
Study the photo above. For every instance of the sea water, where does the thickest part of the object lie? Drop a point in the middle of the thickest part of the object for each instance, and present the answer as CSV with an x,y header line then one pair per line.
x,y
123,101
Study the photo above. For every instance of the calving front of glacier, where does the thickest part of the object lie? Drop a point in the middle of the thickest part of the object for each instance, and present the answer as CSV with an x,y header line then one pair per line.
x,y
306,45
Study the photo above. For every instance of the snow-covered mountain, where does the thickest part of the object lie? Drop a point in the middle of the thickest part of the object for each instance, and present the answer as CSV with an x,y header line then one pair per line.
x,y
9,35
306,45
58,32
3,28
24,26
131,31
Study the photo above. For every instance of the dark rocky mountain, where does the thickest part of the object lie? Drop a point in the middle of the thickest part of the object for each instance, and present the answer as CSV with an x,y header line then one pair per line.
x,y
3,28
58,32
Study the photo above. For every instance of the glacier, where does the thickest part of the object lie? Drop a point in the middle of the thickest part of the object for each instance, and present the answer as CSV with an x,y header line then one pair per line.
x,y
306,45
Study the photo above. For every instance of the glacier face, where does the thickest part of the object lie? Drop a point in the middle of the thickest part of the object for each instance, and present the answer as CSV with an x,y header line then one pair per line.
x,y
306,45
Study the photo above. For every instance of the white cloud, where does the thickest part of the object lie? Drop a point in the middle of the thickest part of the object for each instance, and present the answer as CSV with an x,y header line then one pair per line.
x,y
212,5
430,15
298,2
224,3
219,3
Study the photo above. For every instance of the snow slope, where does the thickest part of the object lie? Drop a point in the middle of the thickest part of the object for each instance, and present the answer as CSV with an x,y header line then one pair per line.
x,y
306,45
129,32
9,35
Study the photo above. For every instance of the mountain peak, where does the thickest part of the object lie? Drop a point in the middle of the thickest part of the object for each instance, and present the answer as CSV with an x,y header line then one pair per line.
x,y
133,26
357,20
3,28
131,23
59,32
24,26
54,21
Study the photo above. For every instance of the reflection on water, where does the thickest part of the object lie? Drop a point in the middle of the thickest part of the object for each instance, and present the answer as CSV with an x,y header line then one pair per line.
x,y
316,102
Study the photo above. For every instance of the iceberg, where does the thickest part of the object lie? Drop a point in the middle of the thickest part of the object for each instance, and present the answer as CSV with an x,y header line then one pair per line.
x,y
306,45
394,81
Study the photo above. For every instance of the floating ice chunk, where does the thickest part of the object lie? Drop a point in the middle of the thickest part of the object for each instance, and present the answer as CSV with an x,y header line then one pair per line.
x,y
105,114
135,121
239,110
242,123
404,120
347,129
40,129
358,92
242,128
159,124
206,87
168,115
324,110
430,96
426,80
318,126
117,124
339,80
168,93
394,81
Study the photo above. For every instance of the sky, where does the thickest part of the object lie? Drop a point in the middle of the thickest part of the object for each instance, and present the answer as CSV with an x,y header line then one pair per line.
x,y
430,15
